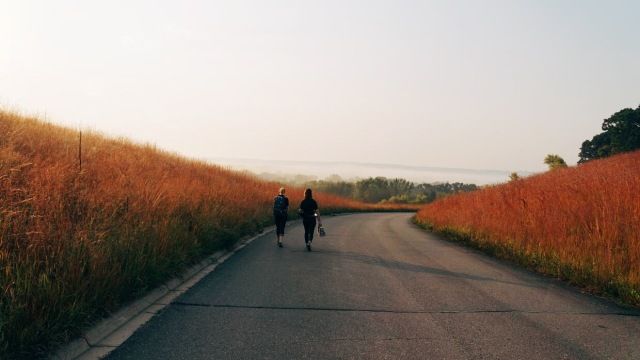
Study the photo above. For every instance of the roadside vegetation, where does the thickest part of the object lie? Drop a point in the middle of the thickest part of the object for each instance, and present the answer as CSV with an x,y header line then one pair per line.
x,y
579,223
87,226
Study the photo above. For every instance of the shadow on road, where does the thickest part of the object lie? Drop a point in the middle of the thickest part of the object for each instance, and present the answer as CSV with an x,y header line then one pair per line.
x,y
399,265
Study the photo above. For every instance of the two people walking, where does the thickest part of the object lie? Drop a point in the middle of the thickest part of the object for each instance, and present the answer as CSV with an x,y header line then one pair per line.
x,y
308,210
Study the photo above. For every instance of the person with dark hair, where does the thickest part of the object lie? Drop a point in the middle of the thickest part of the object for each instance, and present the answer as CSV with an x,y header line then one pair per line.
x,y
309,211
280,210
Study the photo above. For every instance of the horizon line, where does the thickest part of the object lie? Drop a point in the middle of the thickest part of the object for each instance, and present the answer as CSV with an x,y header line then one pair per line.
x,y
401,166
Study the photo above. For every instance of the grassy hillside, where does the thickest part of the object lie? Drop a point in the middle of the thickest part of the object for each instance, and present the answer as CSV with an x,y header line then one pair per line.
x,y
76,242
581,224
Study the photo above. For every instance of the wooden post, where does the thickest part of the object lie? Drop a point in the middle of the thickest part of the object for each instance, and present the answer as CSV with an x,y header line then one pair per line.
x,y
80,151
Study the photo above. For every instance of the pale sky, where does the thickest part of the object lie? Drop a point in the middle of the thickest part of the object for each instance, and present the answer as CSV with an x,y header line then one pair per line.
x,y
462,84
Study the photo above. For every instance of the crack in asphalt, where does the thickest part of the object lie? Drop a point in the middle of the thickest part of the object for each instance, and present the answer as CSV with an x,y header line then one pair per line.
x,y
391,311
346,339
369,340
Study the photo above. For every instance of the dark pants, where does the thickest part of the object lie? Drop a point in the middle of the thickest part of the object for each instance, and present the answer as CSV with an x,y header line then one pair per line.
x,y
309,228
281,221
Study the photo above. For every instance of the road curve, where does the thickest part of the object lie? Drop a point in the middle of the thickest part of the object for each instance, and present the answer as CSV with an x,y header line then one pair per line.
x,y
377,287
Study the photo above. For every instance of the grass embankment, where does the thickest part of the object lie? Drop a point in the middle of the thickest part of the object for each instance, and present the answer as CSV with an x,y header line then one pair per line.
x,y
581,224
77,243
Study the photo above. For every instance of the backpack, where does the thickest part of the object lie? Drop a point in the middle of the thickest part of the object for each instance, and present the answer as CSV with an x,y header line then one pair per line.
x,y
279,205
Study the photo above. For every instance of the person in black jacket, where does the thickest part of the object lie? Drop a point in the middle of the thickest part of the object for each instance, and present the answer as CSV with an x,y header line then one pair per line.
x,y
280,210
309,211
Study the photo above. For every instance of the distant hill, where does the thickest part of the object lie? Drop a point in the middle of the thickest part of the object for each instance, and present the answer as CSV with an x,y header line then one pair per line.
x,y
354,170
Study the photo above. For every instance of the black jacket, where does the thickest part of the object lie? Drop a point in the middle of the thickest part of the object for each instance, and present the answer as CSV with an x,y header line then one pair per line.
x,y
308,208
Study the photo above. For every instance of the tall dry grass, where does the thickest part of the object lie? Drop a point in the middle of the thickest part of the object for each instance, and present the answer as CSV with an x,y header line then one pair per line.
x,y
581,223
76,243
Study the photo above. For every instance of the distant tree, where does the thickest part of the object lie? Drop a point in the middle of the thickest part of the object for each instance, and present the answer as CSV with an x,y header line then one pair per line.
x,y
514,176
399,186
373,189
335,178
425,193
555,162
621,133
459,187
340,188
598,147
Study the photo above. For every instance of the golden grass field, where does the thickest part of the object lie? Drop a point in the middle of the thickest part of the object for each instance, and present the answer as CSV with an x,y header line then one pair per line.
x,y
76,242
581,224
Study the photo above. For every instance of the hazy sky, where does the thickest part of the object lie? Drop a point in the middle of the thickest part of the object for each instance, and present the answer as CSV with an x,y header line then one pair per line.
x,y
466,84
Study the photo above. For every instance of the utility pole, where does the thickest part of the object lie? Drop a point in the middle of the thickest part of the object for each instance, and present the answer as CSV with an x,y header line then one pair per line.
x,y
80,151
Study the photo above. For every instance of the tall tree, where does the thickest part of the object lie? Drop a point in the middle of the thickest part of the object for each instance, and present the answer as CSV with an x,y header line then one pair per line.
x,y
621,133
555,162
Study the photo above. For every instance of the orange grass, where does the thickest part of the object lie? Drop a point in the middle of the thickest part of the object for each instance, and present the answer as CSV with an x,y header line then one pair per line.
x,y
581,224
75,244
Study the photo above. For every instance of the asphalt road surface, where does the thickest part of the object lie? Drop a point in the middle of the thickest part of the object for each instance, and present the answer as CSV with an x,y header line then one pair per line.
x,y
377,287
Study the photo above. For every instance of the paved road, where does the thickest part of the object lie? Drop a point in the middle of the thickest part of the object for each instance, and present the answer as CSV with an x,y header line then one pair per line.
x,y
377,287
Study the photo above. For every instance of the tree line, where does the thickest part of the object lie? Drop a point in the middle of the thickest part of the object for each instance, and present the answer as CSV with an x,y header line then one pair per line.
x,y
397,190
